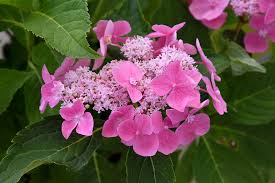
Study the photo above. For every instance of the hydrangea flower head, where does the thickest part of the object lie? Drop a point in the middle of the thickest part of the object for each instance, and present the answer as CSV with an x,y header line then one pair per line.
x,y
152,96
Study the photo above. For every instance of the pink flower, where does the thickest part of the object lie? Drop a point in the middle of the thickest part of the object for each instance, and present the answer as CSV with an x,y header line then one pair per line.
x,y
51,91
215,23
76,117
180,86
115,118
215,94
207,9
168,140
69,64
268,7
196,125
139,133
127,74
207,63
166,34
99,62
109,32
256,42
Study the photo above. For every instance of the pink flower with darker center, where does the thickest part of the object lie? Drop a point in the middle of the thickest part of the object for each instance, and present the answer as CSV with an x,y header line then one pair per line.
x,y
109,33
75,117
257,42
127,74
179,85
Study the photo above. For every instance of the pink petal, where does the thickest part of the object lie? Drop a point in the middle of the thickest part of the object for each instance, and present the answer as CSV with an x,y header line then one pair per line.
x,y
155,35
116,117
67,128
82,63
146,145
43,105
126,71
255,43
109,29
121,28
100,28
134,93
180,98
215,23
144,124
98,62
208,64
190,49
127,130
206,10
160,85
157,122
257,22
185,134
85,125
46,76
168,142
177,27
65,67
176,116
270,15
201,124
202,105
103,47
164,29
76,110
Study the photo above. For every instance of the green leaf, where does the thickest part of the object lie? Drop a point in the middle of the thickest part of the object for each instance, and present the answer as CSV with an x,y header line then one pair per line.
x,y
214,163
12,18
149,8
157,169
184,173
241,62
131,11
254,143
10,82
42,54
252,98
24,4
63,24
41,144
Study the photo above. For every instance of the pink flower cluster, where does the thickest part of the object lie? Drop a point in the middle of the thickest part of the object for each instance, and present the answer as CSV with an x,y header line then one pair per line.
x,y
261,13
153,93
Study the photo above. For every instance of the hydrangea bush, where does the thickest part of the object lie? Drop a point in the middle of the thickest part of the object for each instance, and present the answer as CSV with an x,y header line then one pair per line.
x,y
137,91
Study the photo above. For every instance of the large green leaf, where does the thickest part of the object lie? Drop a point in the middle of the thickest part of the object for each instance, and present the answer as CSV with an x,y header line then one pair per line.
x,y
43,143
254,143
63,24
214,163
10,82
241,62
253,97
156,169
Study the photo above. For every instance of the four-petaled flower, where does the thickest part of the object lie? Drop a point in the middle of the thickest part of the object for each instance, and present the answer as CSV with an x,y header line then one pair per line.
x,y
75,117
